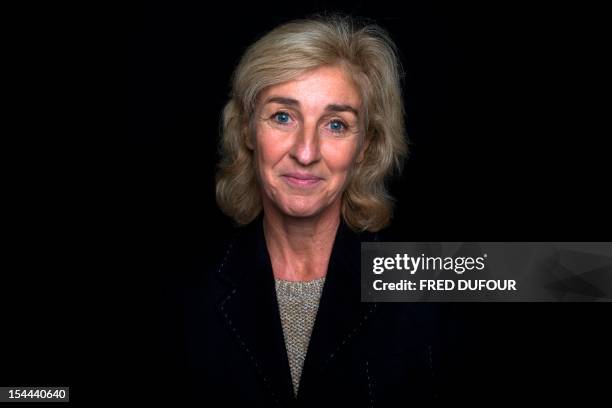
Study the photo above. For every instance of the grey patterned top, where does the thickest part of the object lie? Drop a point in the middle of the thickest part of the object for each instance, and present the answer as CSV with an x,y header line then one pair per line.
x,y
298,303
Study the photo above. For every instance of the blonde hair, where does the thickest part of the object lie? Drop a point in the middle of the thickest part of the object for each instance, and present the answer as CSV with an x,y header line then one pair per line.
x,y
283,54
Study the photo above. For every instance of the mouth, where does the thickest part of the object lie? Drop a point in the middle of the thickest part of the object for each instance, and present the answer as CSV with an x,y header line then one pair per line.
x,y
303,180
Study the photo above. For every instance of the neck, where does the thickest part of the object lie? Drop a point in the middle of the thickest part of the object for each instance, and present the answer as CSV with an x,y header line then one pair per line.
x,y
300,248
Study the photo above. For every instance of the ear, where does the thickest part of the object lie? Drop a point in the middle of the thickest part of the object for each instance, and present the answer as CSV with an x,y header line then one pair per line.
x,y
364,147
249,141
246,133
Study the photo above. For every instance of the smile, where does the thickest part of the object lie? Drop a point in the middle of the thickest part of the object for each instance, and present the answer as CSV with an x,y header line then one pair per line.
x,y
302,181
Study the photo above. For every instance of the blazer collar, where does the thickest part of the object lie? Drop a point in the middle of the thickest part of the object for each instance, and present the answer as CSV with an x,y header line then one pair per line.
x,y
250,309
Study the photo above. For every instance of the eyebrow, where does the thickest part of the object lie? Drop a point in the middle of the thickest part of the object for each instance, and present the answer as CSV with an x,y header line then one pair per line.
x,y
334,107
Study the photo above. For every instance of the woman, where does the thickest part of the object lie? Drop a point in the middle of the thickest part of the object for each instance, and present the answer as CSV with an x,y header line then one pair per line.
x,y
313,128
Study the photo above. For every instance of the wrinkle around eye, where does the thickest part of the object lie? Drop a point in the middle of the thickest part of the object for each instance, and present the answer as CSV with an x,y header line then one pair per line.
x,y
347,129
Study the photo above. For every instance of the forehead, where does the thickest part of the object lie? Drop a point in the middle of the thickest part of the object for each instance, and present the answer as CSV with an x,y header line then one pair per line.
x,y
318,87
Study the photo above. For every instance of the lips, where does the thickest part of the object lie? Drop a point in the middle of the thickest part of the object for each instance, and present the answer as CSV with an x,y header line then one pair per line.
x,y
302,179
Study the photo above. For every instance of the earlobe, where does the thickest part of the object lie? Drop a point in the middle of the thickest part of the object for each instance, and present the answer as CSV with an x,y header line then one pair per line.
x,y
248,140
361,155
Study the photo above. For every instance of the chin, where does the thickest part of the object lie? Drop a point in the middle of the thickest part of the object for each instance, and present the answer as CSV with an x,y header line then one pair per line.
x,y
300,209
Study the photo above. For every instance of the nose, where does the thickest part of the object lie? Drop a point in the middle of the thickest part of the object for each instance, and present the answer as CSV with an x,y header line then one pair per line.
x,y
306,147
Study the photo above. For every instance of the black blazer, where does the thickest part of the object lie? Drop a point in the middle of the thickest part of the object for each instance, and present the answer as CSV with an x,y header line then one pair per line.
x,y
228,346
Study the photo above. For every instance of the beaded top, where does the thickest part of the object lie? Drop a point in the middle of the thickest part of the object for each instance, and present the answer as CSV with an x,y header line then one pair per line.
x,y
298,303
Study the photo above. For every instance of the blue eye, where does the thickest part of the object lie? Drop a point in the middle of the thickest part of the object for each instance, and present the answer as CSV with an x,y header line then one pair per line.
x,y
337,126
282,117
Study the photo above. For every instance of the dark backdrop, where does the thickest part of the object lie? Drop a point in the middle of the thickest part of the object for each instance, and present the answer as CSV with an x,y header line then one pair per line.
x,y
506,145
506,115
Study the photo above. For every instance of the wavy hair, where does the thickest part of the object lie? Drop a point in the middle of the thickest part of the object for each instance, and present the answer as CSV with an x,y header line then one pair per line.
x,y
371,58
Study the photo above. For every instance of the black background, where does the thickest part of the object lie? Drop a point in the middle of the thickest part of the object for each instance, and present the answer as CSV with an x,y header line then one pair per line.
x,y
504,116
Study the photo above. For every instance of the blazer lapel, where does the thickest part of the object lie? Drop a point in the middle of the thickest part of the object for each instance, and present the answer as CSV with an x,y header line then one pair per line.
x,y
341,314
250,311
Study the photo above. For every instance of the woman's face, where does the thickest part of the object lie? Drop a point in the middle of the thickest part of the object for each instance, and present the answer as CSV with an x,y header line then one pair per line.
x,y
307,136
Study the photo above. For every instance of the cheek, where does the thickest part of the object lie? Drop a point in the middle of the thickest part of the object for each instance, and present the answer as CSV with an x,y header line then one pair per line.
x,y
340,157
271,148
